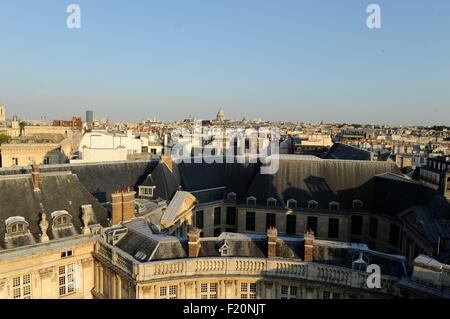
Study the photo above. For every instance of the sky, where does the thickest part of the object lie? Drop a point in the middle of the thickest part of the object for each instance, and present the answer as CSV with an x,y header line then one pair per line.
x,y
295,60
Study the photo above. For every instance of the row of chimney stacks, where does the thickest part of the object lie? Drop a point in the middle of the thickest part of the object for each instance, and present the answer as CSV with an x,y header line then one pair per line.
x,y
272,237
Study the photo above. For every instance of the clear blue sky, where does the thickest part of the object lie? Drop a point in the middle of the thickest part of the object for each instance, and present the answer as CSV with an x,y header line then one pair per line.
x,y
281,60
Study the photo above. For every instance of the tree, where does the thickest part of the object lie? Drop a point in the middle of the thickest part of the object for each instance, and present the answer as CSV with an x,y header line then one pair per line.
x,y
4,138
22,127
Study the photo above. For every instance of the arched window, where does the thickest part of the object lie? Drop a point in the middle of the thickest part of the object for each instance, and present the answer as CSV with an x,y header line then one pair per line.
x,y
231,197
61,219
251,201
271,202
313,204
357,204
334,206
292,204
16,226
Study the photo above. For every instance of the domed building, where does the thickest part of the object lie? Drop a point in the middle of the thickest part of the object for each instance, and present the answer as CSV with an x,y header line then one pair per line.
x,y
220,115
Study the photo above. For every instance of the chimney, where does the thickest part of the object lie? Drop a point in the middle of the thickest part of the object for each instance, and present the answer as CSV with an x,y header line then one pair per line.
x,y
309,246
122,203
116,203
168,161
128,205
36,176
272,235
194,242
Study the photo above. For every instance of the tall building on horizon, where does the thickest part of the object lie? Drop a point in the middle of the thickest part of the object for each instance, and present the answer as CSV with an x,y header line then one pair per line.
x,y
89,118
2,113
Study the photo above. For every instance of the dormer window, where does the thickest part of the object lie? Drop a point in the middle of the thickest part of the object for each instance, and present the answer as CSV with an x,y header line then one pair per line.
x,y
231,197
146,191
271,202
334,206
251,201
61,219
313,204
224,250
16,226
292,204
357,204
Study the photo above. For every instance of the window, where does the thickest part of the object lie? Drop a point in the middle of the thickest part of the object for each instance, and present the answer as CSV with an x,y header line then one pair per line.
x,y
357,204
217,216
313,204
394,235
231,216
168,292
288,292
208,290
224,250
16,226
373,227
271,202
248,290
326,295
231,197
333,228
66,254
291,224
15,161
21,286
270,220
66,279
61,219
199,219
336,295
250,221
46,161
312,224
334,206
357,222
146,191
292,204
251,201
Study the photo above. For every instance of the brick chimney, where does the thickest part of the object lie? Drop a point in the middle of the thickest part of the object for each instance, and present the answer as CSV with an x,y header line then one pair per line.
x,y
128,204
194,242
122,203
168,161
36,176
272,235
309,246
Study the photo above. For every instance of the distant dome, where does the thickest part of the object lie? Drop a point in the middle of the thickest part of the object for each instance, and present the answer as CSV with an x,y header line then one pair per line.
x,y
220,115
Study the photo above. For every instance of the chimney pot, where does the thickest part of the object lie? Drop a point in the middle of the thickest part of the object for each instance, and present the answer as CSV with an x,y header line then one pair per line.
x,y
194,242
309,246
272,236
36,176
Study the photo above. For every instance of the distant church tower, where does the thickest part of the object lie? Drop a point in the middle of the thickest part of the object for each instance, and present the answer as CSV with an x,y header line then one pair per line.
x,y
2,113
220,116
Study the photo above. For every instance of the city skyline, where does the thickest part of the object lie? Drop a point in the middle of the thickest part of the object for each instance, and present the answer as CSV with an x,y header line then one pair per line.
x,y
300,61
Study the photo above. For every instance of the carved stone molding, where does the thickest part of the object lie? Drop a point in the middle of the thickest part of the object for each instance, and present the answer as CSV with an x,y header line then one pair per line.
x,y
46,272
87,261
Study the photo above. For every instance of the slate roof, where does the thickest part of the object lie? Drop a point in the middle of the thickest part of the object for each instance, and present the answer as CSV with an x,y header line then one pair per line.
x,y
58,191
321,180
347,152
100,179
343,254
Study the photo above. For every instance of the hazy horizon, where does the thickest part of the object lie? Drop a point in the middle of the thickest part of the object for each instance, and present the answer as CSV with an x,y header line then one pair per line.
x,y
289,60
